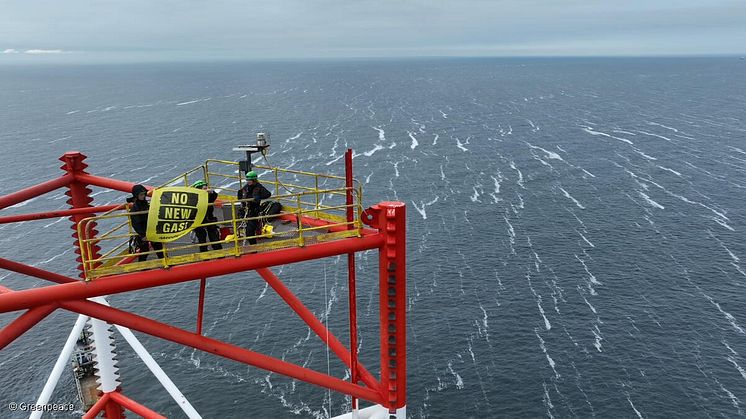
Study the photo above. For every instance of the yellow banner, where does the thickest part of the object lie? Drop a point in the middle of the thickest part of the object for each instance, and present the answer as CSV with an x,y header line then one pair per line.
x,y
174,212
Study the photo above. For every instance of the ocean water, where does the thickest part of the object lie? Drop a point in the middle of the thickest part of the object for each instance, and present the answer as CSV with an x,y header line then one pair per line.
x,y
575,227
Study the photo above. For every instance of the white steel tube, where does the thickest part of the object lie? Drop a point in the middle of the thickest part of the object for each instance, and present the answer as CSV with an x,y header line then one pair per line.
x,y
59,366
159,373
154,367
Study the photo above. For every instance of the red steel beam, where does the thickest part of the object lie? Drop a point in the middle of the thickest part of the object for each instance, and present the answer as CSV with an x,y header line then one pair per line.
x,y
23,323
97,407
105,182
35,272
54,214
134,406
315,324
157,277
34,191
216,347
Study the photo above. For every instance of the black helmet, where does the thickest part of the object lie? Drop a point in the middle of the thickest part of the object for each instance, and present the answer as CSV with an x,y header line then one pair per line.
x,y
137,189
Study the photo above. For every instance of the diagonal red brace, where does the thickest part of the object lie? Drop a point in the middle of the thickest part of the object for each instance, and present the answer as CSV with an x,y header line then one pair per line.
x,y
23,323
133,406
34,191
35,272
315,324
226,350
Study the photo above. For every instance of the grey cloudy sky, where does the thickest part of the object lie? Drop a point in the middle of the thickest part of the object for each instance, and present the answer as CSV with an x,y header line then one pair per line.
x,y
145,30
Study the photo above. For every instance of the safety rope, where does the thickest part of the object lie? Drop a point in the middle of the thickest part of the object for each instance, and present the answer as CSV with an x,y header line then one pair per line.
x,y
327,310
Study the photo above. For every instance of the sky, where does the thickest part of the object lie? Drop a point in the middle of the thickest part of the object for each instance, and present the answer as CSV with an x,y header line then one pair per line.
x,y
194,30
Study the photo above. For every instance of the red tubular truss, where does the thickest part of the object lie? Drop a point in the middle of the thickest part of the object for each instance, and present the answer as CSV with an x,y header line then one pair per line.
x,y
387,235
34,191
214,346
23,323
54,214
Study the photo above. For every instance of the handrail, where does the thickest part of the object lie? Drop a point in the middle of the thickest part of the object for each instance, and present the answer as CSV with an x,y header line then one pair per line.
x,y
308,198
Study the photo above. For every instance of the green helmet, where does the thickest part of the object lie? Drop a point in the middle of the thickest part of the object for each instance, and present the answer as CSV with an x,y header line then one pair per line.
x,y
251,175
199,184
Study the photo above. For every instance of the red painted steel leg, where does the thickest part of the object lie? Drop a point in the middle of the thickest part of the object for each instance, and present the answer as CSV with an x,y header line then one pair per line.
x,y
213,346
78,193
23,323
393,303
201,306
97,407
112,409
349,183
315,324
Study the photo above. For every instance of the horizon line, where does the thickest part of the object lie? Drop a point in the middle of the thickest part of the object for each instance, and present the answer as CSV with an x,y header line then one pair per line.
x,y
50,59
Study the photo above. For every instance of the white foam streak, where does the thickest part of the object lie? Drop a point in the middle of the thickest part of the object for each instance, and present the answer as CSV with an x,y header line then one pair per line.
x,y
381,134
728,316
549,358
738,367
645,155
371,152
592,132
567,195
459,381
420,210
663,126
188,103
520,175
649,200
669,170
24,203
550,154
597,338
657,135
585,239
475,196
415,143
591,277
637,412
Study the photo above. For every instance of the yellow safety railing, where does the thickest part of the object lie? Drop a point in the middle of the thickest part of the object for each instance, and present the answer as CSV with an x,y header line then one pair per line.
x,y
310,213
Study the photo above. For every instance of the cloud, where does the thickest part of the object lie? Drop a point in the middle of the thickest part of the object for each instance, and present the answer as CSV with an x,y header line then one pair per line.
x,y
43,51
33,51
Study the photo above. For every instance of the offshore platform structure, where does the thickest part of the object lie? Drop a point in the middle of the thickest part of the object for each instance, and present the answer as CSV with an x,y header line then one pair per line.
x,y
306,229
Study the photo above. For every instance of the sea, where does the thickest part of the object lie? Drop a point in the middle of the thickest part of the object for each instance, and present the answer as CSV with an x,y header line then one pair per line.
x,y
574,228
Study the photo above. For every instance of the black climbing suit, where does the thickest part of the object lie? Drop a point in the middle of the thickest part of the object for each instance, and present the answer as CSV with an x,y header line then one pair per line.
x,y
210,231
140,225
258,192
